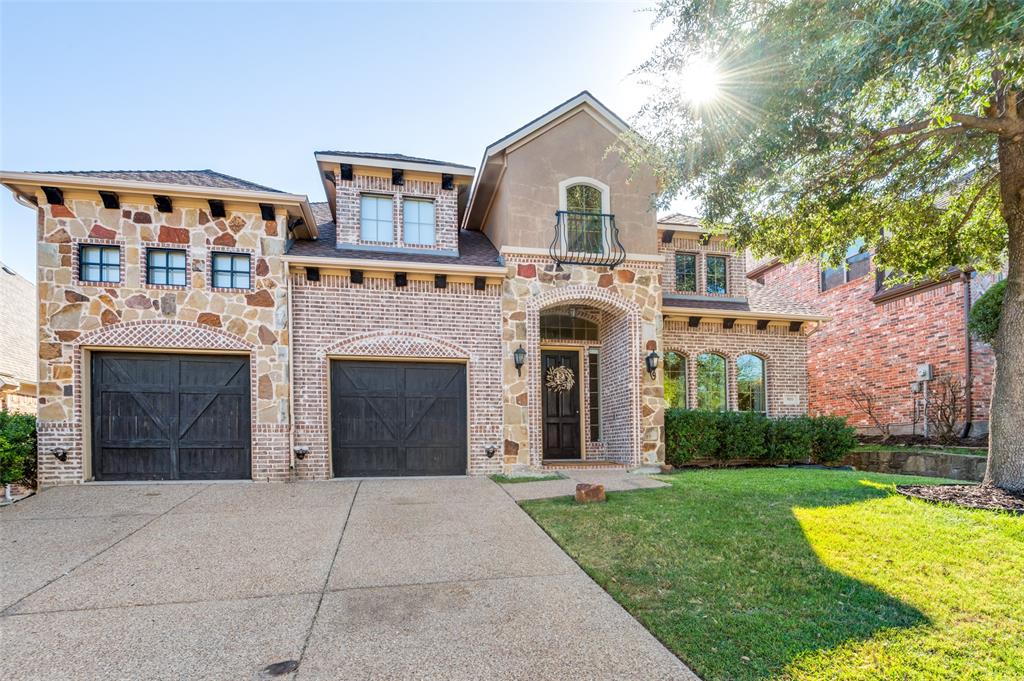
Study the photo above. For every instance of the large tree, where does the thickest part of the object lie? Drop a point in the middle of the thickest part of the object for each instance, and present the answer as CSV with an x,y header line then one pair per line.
x,y
898,122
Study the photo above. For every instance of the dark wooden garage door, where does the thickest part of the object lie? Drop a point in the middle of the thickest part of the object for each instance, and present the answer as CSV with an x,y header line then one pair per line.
x,y
398,418
170,417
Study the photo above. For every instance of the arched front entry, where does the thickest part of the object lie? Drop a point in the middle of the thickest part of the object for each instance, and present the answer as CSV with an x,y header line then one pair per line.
x,y
584,377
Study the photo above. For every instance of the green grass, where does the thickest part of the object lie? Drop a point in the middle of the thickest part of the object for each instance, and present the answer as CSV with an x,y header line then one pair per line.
x,y
807,574
970,451
506,480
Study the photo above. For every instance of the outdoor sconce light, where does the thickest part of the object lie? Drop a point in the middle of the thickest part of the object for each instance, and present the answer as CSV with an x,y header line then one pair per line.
x,y
60,454
491,451
519,357
301,452
652,364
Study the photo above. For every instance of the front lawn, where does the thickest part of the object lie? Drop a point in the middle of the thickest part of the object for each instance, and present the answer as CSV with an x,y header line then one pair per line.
x,y
807,574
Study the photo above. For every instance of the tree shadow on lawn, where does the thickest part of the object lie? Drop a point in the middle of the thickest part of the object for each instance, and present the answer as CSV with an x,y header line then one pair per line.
x,y
722,572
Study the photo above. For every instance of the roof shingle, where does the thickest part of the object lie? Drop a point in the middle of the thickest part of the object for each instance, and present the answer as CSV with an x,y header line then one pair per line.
x,y
191,178
395,157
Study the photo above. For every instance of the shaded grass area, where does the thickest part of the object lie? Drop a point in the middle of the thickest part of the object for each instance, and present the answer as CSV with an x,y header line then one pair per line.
x,y
969,451
507,480
807,574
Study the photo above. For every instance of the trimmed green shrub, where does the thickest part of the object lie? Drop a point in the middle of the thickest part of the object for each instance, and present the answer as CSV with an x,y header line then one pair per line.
x,y
17,448
986,311
742,435
832,439
789,439
690,434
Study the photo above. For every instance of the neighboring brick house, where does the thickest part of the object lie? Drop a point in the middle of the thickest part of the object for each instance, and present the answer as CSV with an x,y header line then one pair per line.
x,y
877,336
17,342
425,320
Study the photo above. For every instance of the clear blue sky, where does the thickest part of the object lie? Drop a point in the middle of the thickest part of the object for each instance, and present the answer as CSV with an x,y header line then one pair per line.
x,y
252,89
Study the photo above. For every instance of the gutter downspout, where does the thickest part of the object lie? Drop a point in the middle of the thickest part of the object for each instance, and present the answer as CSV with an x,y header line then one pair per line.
x,y
965,277
291,375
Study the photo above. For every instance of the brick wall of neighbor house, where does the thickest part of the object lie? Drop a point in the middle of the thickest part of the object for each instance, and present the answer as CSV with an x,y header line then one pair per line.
x,y
784,354
445,208
686,242
877,346
131,314
334,317
628,298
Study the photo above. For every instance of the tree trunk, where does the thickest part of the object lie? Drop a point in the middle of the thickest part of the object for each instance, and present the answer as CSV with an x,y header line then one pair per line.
x,y
1006,418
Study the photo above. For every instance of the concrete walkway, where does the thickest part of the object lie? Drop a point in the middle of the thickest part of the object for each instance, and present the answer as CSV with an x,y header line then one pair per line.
x,y
613,481
379,579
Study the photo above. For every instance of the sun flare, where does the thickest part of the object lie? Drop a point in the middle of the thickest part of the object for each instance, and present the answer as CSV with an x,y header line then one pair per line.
x,y
700,80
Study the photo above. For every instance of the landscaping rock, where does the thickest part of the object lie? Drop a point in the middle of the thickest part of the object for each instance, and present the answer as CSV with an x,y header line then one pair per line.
x,y
589,494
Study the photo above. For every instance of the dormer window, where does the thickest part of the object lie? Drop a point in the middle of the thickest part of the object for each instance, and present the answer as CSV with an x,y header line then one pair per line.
x,y
376,221
418,222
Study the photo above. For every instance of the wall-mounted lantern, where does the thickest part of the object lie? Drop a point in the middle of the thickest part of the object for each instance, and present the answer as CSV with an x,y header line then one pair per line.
x,y
491,450
60,454
652,364
519,357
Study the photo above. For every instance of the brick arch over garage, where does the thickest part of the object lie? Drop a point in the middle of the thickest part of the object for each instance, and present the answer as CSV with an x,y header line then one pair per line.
x,y
396,343
154,334
621,419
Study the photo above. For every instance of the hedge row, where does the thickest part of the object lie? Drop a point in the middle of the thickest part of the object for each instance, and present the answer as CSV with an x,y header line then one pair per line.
x,y
724,436
17,448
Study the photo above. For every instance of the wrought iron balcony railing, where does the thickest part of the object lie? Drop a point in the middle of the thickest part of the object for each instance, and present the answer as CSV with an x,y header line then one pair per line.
x,y
586,239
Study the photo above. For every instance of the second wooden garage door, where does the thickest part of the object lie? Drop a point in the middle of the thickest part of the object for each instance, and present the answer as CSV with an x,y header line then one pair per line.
x,y
398,418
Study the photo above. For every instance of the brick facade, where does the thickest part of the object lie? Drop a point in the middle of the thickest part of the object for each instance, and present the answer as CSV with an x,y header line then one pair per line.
x,y
335,318
688,242
445,209
784,354
876,346
76,317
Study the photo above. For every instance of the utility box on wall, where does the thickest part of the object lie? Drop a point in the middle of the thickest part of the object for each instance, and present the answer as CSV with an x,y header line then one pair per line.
x,y
924,372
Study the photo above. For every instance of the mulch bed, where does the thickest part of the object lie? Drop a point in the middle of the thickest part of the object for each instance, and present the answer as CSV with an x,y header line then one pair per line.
x,y
968,496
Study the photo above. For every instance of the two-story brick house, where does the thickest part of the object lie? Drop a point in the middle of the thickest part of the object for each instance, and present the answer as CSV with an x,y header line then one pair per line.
x,y
426,319
865,358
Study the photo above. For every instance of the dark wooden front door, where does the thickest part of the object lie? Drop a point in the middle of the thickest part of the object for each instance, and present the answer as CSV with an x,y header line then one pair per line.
x,y
561,408
170,417
398,418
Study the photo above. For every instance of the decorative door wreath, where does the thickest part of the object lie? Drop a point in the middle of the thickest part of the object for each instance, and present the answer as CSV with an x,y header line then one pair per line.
x,y
560,379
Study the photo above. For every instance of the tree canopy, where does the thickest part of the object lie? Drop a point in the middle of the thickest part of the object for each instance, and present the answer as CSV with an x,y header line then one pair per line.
x,y
839,120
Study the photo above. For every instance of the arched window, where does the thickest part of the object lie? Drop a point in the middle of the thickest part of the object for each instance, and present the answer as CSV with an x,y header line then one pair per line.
x,y
750,383
675,381
711,382
584,202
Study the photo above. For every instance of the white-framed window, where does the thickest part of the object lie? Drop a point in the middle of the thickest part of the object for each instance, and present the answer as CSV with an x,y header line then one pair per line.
x,y
376,218
418,222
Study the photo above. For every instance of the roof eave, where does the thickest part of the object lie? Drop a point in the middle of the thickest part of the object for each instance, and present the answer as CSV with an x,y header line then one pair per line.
x,y
675,311
12,180
449,169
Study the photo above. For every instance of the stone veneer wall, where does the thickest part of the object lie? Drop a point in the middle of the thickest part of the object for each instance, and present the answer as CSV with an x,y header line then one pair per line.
x,y
446,210
632,403
784,352
334,317
685,242
877,346
133,314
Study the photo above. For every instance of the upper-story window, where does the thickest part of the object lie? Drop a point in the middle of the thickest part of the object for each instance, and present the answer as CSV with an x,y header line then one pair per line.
x,y
418,222
231,270
686,272
585,204
165,266
99,263
376,221
717,274
855,266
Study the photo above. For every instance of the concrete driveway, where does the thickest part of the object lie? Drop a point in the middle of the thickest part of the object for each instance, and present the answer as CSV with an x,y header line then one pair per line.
x,y
378,579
